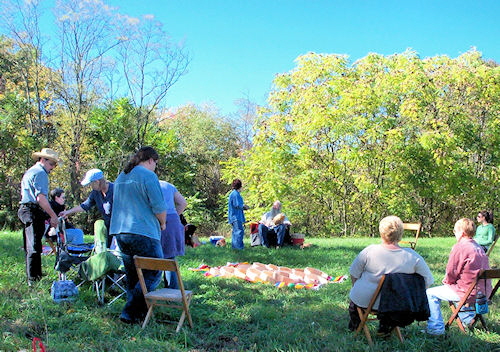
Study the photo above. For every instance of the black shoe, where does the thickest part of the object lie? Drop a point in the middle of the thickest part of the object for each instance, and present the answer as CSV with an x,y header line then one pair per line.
x,y
384,331
129,321
33,280
353,326
471,325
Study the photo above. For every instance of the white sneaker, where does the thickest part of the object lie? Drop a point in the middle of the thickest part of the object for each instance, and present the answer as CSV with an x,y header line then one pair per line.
x,y
434,332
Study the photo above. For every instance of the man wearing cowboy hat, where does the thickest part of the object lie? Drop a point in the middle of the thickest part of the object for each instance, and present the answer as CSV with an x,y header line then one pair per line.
x,y
35,209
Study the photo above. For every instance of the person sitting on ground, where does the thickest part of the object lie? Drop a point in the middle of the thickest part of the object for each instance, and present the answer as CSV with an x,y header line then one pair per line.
x,y
485,232
101,197
380,259
466,259
273,222
58,204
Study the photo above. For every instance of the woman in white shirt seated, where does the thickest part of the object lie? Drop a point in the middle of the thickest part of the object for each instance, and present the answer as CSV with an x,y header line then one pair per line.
x,y
379,259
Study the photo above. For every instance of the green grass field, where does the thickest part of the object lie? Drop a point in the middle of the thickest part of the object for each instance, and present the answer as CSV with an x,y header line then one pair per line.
x,y
228,314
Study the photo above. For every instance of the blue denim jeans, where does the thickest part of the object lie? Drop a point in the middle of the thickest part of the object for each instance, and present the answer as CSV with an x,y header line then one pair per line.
x,y
238,234
435,324
279,230
130,245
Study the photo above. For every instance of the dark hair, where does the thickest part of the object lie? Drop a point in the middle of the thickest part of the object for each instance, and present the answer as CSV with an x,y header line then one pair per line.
x,y
56,192
143,154
236,184
488,216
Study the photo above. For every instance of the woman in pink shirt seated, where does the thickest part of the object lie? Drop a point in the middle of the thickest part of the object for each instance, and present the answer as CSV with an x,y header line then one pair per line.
x,y
467,258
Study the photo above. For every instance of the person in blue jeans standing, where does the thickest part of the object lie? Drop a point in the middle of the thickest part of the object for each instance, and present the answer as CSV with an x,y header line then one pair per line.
x,y
139,215
235,214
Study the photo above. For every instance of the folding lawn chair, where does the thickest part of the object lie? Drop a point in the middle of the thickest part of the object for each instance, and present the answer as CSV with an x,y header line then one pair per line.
x,y
173,298
456,307
412,226
492,245
365,313
254,234
103,266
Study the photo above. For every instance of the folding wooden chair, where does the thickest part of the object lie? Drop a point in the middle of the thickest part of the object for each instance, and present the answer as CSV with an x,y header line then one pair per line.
x,y
492,245
455,307
412,226
364,316
174,298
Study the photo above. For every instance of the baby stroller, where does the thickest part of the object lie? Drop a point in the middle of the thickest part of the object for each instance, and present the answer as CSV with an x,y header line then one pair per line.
x,y
68,255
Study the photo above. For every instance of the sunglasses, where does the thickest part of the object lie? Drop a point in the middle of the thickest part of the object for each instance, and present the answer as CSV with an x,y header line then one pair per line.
x,y
51,162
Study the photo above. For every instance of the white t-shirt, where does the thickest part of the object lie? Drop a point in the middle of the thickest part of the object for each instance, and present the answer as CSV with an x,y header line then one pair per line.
x,y
377,260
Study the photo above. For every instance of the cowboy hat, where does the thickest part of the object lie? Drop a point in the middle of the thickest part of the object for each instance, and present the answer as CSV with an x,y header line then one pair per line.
x,y
47,153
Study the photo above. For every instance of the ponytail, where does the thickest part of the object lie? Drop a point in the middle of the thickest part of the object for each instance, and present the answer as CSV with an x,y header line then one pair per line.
x,y
143,154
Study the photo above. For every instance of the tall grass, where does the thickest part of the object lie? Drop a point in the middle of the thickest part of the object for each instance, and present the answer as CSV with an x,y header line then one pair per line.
x,y
229,314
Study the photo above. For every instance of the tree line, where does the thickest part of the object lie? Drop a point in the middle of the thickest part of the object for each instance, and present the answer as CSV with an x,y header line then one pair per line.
x,y
94,90
340,143
344,144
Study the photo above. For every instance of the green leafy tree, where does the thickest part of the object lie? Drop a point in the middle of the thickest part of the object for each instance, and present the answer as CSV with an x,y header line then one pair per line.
x,y
25,120
204,139
343,144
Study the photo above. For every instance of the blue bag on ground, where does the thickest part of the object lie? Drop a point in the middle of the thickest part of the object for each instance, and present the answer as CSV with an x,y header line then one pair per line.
x,y
64,290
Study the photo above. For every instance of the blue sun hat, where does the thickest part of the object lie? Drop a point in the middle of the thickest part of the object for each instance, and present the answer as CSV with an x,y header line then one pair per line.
x,y
91,176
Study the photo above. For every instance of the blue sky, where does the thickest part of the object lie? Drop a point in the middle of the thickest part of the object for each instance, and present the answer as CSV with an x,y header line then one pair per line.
x,y
238,46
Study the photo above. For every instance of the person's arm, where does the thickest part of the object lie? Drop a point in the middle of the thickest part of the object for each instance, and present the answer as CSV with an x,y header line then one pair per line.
x,y
156,201
77,209
162,218
235,201
263,220
180,203
358,266
45,205
453,268
422,268
287,222
491,235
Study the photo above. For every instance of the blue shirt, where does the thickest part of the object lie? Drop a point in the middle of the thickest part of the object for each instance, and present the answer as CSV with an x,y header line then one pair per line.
x,y
235,207
103,203
168,191
137,198
35,181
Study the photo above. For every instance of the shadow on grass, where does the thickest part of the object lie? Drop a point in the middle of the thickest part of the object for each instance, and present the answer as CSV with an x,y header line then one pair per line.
x,y
228,314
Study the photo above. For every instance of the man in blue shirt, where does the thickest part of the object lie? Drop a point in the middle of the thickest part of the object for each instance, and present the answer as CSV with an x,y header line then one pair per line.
x,y
100,197
139,215
235,214
35,209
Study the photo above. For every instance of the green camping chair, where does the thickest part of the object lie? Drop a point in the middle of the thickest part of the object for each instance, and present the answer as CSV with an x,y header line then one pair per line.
x,y
104,265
